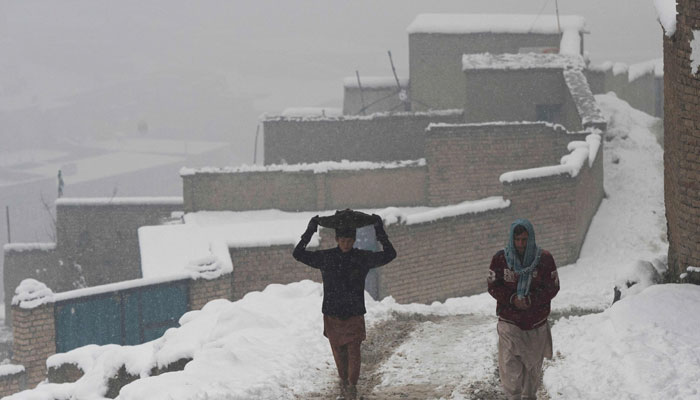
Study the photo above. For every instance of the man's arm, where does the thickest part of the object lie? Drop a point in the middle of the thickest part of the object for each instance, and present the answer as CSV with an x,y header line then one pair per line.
x,y
549,287
388,253
497,288
310,258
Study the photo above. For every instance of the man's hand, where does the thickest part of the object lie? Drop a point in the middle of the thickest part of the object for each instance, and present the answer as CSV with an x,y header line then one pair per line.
x,y
521,303
378,222
313,224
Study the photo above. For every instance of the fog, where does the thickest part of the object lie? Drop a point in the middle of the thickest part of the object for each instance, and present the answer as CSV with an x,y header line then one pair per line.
x,y
72,72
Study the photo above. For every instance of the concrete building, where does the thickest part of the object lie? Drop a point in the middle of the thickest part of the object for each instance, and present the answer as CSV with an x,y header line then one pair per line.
x,y
436,43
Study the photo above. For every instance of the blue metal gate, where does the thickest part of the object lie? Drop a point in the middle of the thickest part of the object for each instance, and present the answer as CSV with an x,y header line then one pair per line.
x,y
124,317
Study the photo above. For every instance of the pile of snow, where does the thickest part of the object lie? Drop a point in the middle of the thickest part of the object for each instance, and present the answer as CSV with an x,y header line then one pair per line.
x,y
317,168
374,82
10,369
571,26
31,293
643,347
582,153
666,9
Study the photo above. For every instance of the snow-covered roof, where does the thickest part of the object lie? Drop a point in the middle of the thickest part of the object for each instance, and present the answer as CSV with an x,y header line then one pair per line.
x,y
383,114
581,152
570,26
639,69
666,9
168,249
316,168
520,61
495,23
374,82
587,107
304,112
118,201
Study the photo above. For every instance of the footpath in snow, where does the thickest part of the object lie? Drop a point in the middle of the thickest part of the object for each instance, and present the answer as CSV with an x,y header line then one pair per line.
x,y
269,344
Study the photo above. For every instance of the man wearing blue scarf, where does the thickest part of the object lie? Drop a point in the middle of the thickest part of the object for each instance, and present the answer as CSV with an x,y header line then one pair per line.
x,y
523,279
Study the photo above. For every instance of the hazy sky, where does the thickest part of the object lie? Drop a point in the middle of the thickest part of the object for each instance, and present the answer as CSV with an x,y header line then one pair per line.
x,y
273,53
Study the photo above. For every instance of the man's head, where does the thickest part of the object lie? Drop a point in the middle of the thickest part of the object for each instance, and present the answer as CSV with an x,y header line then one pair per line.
x,y
345,239
520,237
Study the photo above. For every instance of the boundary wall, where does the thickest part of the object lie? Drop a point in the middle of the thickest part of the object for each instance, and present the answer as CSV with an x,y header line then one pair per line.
x,y
306,187
464,160
377,137
97,243
34,328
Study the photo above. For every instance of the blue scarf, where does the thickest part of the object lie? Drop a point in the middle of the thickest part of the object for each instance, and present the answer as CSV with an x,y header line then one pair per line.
x,y
530,260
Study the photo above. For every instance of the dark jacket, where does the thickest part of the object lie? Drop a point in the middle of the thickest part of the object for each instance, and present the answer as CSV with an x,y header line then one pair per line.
x,y
344,274
503,286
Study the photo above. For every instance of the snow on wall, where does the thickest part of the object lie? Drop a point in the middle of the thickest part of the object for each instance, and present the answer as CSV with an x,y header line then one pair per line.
x,y
432,113
21,247
638,70
311,112
11,369
374,82
520,61
695,52
580,91
556,127
570,164
120,201
666,10
467,207
571,26
317,168
31,294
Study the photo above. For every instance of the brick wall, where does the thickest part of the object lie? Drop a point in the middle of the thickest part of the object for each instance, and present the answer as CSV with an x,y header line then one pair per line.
x,y
256,267
378,138
202,291
465,161
682,142
560,208
13,383
34,340
40,264
305,191
442,259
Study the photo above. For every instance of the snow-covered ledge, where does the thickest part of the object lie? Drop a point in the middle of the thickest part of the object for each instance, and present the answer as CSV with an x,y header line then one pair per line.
x,y
581,152
31,294
666,10
22,247
316,168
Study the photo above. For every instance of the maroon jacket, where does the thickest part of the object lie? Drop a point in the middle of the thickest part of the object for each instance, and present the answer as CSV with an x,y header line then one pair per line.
x,y
503,285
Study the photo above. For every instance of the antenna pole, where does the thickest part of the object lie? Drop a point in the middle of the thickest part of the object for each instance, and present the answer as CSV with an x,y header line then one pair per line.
x,y
362,96
556,6
255,151
402,94
7,214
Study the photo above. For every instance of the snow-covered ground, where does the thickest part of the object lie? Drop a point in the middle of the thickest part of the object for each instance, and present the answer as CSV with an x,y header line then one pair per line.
x,y
269,344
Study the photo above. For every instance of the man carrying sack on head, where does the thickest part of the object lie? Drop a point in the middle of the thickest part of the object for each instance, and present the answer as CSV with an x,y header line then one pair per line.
x,y
523,279
344,270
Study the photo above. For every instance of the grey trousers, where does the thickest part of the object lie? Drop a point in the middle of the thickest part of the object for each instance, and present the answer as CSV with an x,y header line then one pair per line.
x,y
520,356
